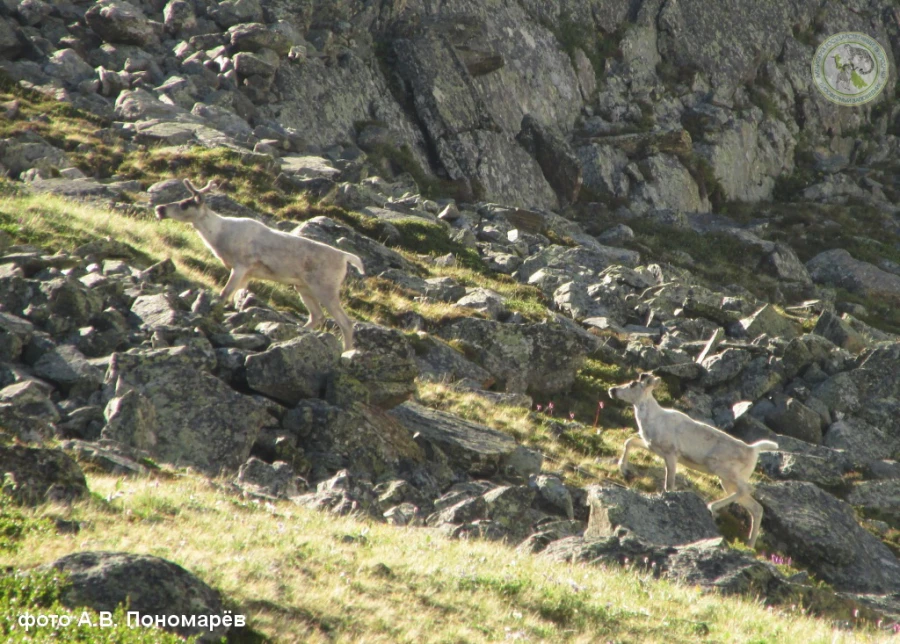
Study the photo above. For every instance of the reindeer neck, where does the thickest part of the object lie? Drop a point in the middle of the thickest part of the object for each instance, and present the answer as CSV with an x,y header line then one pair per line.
x,y
209,224
646,406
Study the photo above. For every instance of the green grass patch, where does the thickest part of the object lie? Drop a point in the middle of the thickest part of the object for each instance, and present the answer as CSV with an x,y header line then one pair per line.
x,y
16,523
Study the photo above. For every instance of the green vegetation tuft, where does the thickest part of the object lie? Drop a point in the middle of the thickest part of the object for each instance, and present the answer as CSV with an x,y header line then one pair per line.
x,y
16,524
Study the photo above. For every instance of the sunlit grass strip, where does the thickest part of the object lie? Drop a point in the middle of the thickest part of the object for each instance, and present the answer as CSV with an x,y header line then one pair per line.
x,y
306,576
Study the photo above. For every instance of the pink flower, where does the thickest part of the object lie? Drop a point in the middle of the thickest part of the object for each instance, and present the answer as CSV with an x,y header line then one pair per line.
x,y
571,415
539,407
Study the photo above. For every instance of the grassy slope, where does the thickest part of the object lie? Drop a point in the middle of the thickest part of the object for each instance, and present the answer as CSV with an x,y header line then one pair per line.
x,y
302,575
461,592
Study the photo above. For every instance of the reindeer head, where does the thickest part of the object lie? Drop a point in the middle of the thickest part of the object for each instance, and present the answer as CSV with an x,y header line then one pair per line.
x,y
187,210
633,391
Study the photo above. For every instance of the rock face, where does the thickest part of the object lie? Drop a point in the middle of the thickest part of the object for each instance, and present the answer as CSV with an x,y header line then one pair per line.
x,y
167,402
821,532
150,585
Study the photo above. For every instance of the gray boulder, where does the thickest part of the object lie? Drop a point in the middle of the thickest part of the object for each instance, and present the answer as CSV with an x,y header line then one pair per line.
x,y
179,16
383,364
821,532
552,496
30,399
541,358
664,183
712,565
838,268
232,12
785,466
68,369
139,105
295,369
558,163
343,494
724,367
833,328
31,151
726,41
68,66
770,322
470,447
484,300
595,259
157,310
106,456
878,499
69,299
32,476
510,508
673,518
861,441
439,362
444,289
268,480
254,36
167,402
361,439
117,21
104,581
547,533
792,418
15,332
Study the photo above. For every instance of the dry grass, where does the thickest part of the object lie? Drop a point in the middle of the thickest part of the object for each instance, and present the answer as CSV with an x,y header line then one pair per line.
x,y
305,576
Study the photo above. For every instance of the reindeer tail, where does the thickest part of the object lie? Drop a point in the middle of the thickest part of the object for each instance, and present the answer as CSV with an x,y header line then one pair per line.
x,y
357,262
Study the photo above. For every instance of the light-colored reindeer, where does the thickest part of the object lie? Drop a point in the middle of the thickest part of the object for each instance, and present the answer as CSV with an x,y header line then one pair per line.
x,y
252,250
678,438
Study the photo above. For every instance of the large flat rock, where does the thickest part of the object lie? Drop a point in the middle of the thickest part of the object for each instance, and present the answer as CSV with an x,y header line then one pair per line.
x,y
479,450
821,532
669,519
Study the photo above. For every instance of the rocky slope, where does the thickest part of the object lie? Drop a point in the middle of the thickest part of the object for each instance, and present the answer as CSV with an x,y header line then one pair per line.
x,y
620,157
